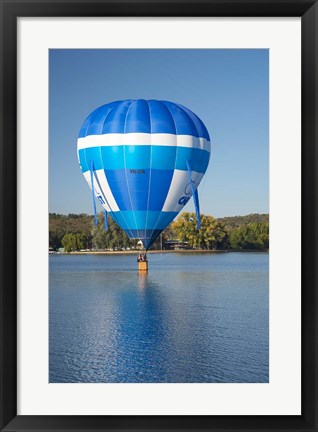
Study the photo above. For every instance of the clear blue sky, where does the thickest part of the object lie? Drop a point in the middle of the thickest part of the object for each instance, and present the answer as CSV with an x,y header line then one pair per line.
x,y
227,89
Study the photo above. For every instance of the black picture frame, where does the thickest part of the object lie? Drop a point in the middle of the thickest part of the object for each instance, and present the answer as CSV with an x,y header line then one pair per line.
x,y
10,11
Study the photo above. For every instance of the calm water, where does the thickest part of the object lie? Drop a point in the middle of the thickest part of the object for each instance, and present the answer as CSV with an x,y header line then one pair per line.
x,y
192,318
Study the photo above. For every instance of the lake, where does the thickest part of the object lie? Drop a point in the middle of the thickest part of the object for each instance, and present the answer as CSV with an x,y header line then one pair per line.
x,y
193,318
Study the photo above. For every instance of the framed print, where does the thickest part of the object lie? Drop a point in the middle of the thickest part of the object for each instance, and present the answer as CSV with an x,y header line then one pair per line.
x,y
180,288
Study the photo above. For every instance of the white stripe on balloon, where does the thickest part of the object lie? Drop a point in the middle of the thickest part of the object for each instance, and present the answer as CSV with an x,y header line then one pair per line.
x,y
110,204
180,189
143,139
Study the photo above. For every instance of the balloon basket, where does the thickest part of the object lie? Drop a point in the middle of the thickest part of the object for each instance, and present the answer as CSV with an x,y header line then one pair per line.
x,y
143,266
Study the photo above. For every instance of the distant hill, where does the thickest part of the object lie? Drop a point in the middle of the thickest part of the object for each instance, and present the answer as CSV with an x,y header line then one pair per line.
x,y
231,222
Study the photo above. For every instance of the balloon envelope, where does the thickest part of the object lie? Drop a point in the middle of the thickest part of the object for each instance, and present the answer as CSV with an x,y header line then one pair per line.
x,y
138,154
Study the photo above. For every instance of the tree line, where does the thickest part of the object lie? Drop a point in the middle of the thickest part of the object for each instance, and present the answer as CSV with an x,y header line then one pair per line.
x,y
75,232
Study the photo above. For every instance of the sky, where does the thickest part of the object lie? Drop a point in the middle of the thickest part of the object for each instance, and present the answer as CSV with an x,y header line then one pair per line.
x,y
228,89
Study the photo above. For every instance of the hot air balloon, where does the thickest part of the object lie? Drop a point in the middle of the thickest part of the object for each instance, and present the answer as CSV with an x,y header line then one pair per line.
x,y
144,160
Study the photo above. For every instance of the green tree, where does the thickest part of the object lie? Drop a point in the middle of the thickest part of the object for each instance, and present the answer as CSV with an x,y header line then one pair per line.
x,y
212,234
72,242
254,235
59,225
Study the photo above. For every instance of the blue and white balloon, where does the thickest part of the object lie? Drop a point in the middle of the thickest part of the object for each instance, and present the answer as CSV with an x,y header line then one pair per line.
x,y
143,160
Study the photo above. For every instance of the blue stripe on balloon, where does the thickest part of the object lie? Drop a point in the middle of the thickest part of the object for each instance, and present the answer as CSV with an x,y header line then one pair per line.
x,y
184,123
97,120
118,185
82,161
164,219
116,119
94,123
90,154
148,234
159,188
199,159
163,157
138,157
143,116
121,222
138,117
84,128
138,185
202,130
126,219
161,118
137,195
113,157
142,219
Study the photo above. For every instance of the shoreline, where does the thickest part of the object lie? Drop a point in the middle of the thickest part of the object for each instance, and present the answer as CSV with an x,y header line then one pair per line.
x,y
153,252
